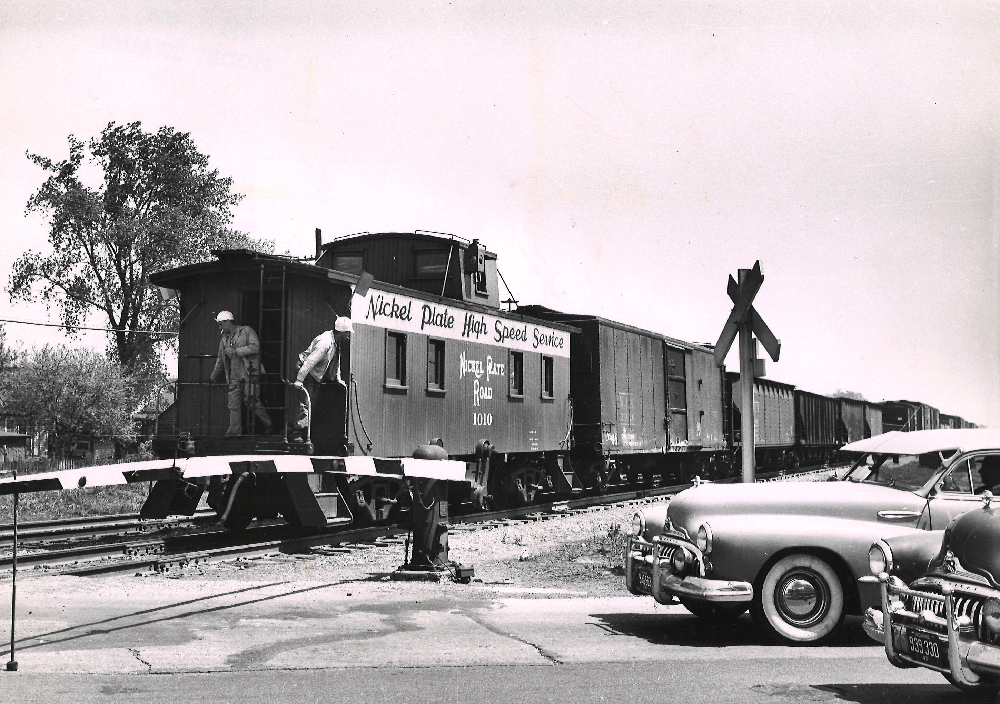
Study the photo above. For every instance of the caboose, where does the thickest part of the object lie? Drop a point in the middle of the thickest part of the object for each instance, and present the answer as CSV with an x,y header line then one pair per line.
x,y
432,359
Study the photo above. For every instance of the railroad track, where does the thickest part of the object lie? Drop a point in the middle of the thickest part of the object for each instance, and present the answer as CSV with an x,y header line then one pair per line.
x,y
169,553
69,529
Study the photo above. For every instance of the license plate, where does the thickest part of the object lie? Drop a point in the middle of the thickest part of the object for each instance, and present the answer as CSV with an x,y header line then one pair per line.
x,y
921,646
644,580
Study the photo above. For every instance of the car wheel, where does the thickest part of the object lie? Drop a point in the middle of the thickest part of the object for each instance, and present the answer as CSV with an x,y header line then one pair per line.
x,y
800,600
715,612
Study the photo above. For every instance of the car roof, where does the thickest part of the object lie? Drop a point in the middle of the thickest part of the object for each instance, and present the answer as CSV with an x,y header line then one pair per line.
x,y
919,442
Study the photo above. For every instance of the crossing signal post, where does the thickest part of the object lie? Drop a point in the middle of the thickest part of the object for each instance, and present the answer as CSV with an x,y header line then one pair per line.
x,y
746,322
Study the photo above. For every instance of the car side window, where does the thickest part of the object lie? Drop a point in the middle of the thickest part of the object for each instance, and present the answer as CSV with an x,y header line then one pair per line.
x,y
985,472
958,480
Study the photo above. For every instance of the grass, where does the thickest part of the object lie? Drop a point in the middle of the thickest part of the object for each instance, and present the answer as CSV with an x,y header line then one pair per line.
x,y
602,548
55,505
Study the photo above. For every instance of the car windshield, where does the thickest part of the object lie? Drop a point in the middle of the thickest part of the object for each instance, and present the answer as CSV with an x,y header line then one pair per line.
x,y
907,472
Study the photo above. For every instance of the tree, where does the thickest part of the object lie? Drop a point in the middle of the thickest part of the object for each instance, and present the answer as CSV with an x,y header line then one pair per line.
x,y
70,393
158,206
841,393
8,354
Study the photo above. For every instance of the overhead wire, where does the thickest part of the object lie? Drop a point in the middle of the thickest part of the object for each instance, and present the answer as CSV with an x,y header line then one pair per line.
x,y
85,327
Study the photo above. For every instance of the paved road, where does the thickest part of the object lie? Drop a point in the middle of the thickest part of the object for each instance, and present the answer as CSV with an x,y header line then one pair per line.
x,y
133,640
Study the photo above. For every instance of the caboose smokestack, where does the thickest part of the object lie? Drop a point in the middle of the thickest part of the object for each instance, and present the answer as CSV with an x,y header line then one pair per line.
x,y
319,242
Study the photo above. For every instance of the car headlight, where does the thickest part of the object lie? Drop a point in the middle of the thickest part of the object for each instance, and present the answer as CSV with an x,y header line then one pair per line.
x,y
880,558
991,614
638,525
703,538
679,561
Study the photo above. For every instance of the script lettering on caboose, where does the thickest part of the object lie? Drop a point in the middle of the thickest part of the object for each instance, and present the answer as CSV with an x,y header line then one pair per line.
x,y
397,312
381,307
432,317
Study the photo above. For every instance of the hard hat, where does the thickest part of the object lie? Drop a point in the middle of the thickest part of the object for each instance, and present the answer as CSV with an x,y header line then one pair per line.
x,y
343,325
224,315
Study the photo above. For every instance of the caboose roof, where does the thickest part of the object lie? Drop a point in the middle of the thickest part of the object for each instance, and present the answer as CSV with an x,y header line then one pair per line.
x,y
228,259
423,235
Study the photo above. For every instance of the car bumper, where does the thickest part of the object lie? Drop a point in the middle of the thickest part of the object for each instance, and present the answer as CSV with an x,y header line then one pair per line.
x,y
648,571
955,647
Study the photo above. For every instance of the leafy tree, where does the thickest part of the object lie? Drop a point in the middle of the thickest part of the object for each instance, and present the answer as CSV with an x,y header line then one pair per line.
x,y
840,393
70,393
158,206
8,354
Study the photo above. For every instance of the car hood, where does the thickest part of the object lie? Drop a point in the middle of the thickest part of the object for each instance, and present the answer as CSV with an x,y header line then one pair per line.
x,y
973,541
840,499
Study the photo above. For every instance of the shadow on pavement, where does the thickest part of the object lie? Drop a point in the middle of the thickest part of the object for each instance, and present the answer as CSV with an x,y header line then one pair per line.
x,y
942,693
126,621
687,629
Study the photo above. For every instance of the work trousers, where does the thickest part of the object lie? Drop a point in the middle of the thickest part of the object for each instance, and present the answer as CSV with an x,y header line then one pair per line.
x,y
247,393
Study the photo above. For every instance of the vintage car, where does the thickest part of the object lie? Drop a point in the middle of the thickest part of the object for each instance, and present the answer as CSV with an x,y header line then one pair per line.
x,y
792,552
948,618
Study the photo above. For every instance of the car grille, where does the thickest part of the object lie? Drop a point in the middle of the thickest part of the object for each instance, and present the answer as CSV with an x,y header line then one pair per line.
x,y
965,605
664,550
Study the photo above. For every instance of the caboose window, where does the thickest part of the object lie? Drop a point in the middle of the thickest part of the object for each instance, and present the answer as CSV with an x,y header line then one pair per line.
x,y
395,359
351,263
479,278
516,373
435,365
430,264
548,378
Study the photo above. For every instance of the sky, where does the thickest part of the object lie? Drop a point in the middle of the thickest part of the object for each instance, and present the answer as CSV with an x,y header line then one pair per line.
x,y
622,159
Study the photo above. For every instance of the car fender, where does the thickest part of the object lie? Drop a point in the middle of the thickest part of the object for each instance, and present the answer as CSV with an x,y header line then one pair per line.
x,y
743,545
912,553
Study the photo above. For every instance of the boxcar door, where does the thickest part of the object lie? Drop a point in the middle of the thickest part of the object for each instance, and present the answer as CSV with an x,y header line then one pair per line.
x,y
677,425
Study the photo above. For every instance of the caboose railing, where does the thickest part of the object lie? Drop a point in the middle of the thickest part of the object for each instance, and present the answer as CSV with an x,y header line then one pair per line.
x,y
210,394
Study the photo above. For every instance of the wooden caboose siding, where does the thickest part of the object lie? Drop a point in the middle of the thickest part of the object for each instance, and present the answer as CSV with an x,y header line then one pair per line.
x,y
307,307
476,360
201,409
704,392
397,420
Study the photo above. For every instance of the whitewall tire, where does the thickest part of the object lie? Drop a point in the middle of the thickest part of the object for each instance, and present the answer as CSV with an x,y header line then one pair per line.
x,y
800,600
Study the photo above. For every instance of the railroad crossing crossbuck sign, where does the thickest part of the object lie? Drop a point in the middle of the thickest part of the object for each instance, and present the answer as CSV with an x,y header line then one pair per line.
x,y
745,320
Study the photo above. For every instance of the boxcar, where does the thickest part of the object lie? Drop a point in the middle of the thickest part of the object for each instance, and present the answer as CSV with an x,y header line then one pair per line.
x,y
956,422
647,407
909,415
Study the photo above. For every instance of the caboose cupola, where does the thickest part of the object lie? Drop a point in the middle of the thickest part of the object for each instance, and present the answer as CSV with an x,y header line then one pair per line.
x,y
445,266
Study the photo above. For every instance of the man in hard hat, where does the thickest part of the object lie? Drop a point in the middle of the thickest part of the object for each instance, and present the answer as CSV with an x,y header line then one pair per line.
x,y
239,364
321,359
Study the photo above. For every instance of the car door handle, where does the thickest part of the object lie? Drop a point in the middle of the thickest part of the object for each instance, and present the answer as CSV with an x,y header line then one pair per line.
x,y
898,515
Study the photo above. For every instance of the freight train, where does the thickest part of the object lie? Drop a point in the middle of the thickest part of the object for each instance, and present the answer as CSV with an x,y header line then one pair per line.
x,y
539,404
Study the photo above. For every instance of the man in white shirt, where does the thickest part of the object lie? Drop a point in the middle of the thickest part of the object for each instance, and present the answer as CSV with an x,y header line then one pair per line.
x,y
321,359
